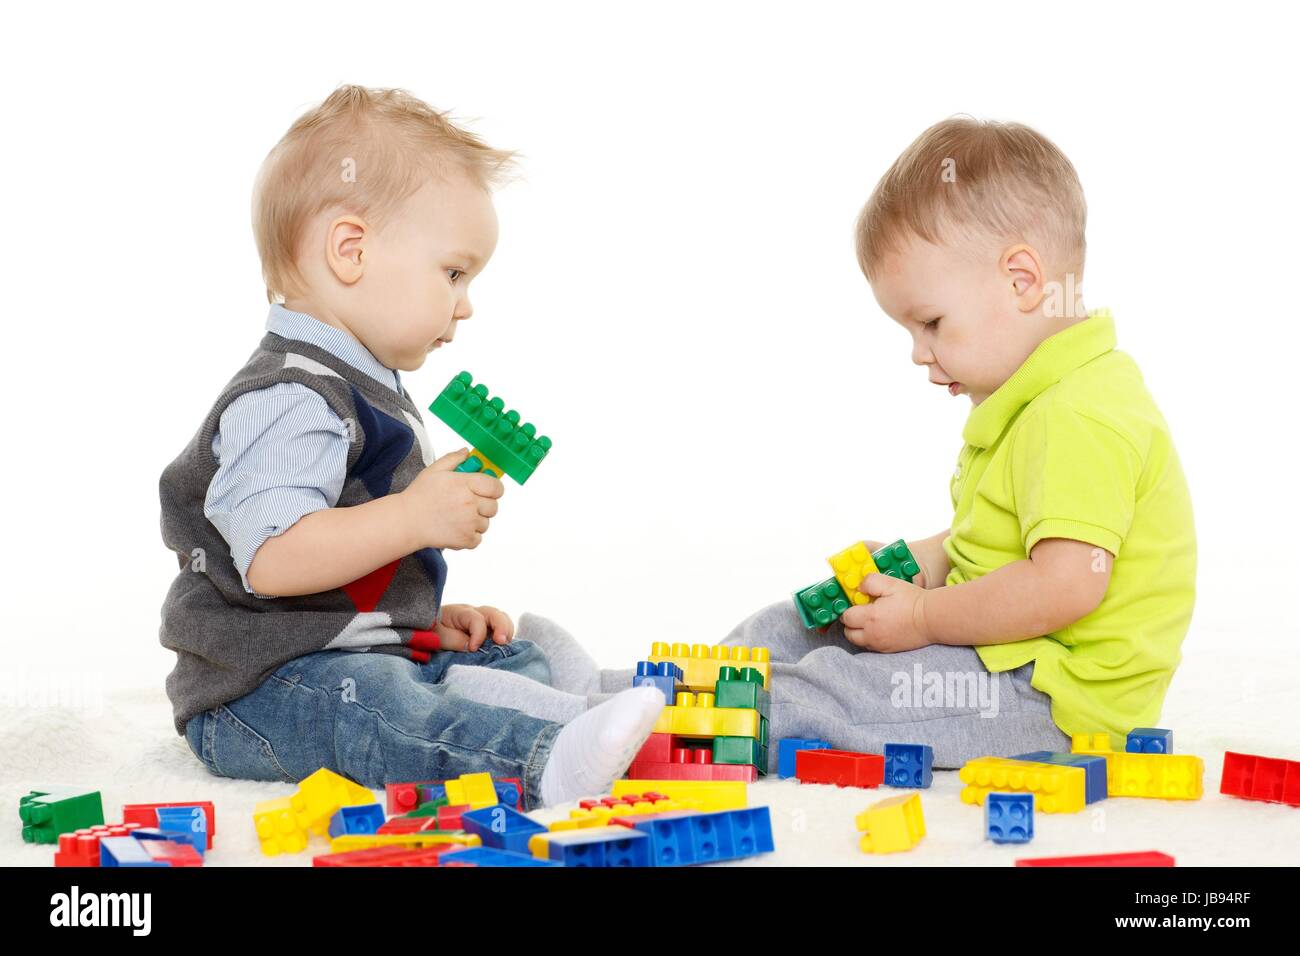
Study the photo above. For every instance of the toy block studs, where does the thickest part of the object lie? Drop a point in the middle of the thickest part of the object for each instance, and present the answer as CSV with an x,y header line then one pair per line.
x,y
500,443
851,567
821,604
1150,740
896,560
1009,817
908,765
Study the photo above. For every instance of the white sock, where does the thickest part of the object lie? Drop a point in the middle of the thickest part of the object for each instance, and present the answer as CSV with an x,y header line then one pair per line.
x,y
596,748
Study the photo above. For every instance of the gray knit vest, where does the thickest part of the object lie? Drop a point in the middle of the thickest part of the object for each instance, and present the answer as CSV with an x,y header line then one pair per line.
x,y
228,641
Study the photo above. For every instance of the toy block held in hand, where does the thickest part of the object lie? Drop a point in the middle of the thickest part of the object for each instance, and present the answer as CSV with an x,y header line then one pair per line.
x,y
851,567
821,604
892,824
896,560
500,444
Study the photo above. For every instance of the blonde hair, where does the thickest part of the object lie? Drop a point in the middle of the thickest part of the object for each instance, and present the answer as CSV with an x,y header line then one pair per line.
x,y
982,180
365,150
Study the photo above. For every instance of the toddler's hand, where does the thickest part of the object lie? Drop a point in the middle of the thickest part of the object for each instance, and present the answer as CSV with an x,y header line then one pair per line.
x,y
893,621
450,508
465,628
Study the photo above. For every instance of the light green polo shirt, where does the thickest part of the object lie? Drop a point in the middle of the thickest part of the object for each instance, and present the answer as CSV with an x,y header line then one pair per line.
x,y
1073,446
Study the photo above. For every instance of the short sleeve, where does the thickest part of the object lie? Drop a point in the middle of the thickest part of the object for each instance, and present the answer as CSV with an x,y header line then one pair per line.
x,y
1073,476
282,454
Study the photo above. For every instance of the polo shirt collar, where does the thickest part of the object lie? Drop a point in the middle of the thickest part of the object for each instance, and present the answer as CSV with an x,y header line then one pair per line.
x,y
1055,356
300,326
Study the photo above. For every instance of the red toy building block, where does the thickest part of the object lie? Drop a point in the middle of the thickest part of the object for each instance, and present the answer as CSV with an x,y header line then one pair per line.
x,y
697,771
175,854
844,768
1144,858
81,847
146,814
1269,779
449,817
407,825
383,856
631,798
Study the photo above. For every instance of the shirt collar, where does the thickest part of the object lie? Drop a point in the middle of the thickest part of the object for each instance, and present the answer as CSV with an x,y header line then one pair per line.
x,y
1055,356
301,326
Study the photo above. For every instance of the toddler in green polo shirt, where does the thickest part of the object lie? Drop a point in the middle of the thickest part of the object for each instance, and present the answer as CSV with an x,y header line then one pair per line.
x,y
1056,600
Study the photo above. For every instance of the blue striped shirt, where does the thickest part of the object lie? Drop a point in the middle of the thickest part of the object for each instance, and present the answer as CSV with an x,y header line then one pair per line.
x,y
283,452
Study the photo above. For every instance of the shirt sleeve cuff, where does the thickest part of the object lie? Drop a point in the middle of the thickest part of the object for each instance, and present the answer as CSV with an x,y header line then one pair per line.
x,y
1075,530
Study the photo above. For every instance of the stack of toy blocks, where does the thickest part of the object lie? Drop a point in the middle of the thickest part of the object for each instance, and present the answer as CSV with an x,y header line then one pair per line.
x,y
714,724
654,829
283,825
501,445
822,603
151,834
1132,773
1057,788
1269,779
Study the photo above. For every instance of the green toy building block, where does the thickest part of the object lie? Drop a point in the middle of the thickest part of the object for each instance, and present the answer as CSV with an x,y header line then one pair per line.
x,y
45,815
896,560
821,604
742,688
483,422
740,750
429,808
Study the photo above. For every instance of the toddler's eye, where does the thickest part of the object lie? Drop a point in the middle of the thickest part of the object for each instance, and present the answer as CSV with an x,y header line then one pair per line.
x,y
933,324
455,274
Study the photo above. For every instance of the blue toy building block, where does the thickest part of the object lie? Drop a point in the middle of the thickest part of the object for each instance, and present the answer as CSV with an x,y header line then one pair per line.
x,y
185,825
366,818
507,793
908,765
665,675
501,827
787,748
125,851
683,838
1009,817
1150,740
600,846
1094,770
490,856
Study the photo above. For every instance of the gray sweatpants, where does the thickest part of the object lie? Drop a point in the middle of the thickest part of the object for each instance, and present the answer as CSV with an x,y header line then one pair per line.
x,y
824,687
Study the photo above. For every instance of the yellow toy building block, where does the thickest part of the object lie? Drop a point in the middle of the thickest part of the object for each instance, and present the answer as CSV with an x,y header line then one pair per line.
x,y
323,792
1157,776
1056,789
581,818
708,796
474,789
695,716
851,567
281,825
700,663
892,824
422,838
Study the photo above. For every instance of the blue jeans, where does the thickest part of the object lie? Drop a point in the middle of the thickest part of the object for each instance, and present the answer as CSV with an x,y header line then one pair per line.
x,y
377,718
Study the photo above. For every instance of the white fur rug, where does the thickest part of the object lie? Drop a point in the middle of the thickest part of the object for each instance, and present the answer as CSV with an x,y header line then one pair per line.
x,y
1218,701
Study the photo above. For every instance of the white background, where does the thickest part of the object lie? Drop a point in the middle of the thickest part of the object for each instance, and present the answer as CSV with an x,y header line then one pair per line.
x,y
674,298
